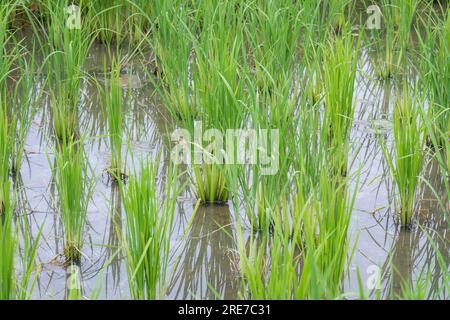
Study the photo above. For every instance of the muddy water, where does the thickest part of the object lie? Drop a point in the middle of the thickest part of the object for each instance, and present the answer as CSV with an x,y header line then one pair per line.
x,y
203,258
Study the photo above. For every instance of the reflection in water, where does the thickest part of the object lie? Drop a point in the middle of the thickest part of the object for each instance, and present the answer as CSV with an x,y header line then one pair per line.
x,y
206,268
113,242
413,260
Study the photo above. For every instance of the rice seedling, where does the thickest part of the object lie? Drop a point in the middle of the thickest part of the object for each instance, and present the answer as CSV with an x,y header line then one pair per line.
x,y
335,204
217,90
113,104
15,286
281,269
435,72
211,184
441,154
405,164
8,247
404,14
119,21
265,182
5,152
29,269
339,74
273,33
74,192
171,43
65,48
7,59
336,12
23,110
148,226
386,47
107,20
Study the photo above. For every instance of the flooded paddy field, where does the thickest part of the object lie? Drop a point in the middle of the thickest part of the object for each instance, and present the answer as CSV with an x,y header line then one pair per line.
x,y
358,131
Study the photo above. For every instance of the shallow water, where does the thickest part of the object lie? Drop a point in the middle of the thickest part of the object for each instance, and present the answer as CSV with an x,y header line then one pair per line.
x,y
203,259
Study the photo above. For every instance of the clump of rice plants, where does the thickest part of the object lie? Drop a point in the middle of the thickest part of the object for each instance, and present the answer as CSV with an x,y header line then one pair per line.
x,y
216,95
65,48
339,73
265,183
149,213
74,188
404,14
113,101
6,58
384,64
273,33
6,138
406,161
24,101
435,72
211,183
280,268
119,21
5,152
8,244
13,286
331,209
336,12
270,273
172,45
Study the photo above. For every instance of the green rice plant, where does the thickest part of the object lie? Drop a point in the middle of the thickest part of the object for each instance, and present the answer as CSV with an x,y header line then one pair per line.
x,y
435,75
74,190
119,21
23,110
171,43
339,74
265,183
8,247
406,162
331,212
313,269
6,58
273,34
12,285
398,17
308,161
113,104
29,269
211,183
404,14
107,20
441,155
5,151
335,11
65,49
385,43
148,227
217,93
269,273
216,74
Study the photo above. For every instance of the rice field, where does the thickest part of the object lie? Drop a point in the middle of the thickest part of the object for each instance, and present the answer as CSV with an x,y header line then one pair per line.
x,y
240,149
